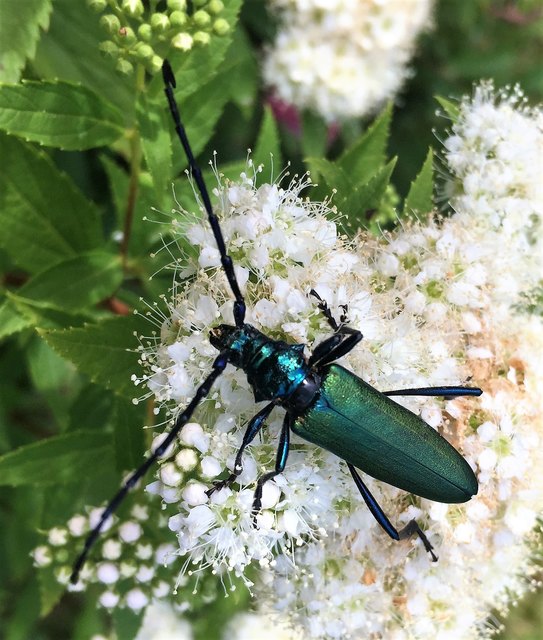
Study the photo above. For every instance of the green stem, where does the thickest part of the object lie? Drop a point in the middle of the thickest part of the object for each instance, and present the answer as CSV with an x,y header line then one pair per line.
x,y
135,168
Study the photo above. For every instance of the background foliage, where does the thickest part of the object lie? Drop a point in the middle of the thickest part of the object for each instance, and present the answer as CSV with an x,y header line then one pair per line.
x,y
86,156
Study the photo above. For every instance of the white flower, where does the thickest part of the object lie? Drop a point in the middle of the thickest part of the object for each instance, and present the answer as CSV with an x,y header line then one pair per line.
x,y
161,622
343,59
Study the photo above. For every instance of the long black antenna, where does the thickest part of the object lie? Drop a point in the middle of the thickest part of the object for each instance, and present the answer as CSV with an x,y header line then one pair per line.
x,y
226,260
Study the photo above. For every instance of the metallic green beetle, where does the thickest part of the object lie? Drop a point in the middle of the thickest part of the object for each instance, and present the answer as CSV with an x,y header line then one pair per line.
x,y
325,404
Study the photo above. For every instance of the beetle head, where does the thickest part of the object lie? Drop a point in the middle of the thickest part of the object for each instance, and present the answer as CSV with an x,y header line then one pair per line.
x,y
222,336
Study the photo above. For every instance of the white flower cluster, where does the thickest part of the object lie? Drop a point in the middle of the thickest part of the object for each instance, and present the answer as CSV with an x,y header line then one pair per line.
x,y
438,303
343,58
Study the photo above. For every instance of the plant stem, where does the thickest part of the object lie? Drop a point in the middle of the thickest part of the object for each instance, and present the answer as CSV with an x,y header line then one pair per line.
x,y
135,168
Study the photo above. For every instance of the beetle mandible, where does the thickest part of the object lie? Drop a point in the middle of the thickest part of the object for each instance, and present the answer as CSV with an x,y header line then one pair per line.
x,y
325,403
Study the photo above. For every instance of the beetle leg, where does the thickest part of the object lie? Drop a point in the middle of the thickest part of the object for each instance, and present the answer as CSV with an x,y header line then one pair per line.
x,y
219,366
253,428
445,392
280,462
323,306
335,346
410,529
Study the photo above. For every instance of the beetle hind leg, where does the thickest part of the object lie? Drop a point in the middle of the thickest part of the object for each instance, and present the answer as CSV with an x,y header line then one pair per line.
x,y
412,528
408,531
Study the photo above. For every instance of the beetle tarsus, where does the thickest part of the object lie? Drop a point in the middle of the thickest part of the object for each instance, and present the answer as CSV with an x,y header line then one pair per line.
x,y
412,528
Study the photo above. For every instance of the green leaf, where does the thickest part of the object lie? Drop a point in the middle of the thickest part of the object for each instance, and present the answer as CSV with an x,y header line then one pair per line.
x,y
106,352
195,68
41,314
129,435
201,110
144,233
59,114
12,320
43,217
20,30
156,143
314,134
330,176
76,283
69,51
366,198
64,458
368,153
51,590
268,151
419,199
452,109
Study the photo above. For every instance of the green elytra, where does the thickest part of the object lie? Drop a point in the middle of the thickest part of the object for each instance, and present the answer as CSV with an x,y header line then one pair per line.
x,y
325,403
361,425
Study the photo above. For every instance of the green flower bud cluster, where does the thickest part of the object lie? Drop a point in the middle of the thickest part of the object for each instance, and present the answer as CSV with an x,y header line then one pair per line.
x,y
138,34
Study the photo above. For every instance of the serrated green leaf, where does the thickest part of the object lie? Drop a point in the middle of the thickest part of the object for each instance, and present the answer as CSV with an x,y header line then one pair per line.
x,y
202,109
330,177
267,150
12,320
420,196
366,197
452,109
76,283
51,590
59,114
156,143
314,134
129,437
368,153
43,217
106,352
48,371
92,409
144,233
55,378
20,29
60,459
193,69
69,51
42,314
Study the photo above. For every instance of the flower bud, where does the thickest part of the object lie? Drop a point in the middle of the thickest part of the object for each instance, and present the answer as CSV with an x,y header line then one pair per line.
x,y
144,52
145,32
201,18
110,23
109,49
201,37
124,67
178,18
177,5
215,6
132,8
97,5
160,22
126,36
155,64
221,27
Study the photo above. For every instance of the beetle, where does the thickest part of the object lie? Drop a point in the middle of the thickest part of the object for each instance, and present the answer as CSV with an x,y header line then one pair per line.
x,y
324,403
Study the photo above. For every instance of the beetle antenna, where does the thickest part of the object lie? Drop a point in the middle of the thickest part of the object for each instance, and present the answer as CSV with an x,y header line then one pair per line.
x,y
226,260
219,366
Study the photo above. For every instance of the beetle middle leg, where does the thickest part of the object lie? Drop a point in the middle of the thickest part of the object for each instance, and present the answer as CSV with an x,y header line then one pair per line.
x,y
253,428
409,530
280,462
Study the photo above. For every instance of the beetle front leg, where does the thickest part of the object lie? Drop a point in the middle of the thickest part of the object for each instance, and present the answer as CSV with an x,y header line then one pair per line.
x,y
280,462
253,428
409,530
